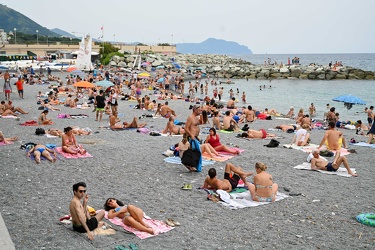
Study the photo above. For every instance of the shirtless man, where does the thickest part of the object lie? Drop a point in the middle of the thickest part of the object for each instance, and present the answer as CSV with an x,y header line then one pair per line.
x,y
81,219
173,128
306,120
370,116
230,104
14,109
228,183
166,111
229,124
318,163
5,111
192,123
216,120
259,134
133,124
333,138
249,114
41,150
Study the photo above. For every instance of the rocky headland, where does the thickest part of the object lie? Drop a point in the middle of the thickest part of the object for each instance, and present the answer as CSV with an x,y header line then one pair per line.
x,y
228,67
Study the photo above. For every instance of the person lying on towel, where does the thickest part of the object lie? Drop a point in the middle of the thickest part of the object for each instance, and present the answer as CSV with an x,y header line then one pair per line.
x,y
131,215
125,125
318,163
232,175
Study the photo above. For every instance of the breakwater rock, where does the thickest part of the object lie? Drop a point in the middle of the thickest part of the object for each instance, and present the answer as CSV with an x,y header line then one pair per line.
x,y
228,67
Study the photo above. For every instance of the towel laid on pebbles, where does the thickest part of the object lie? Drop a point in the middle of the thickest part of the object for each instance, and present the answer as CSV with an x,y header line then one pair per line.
x,y
156,225
102,237
177,160
341,171
236,200
72,156
311,147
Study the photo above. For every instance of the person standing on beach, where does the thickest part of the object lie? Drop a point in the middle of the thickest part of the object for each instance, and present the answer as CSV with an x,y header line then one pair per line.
x,y
19,84
192,123
370,116
100,105
81,219
7,89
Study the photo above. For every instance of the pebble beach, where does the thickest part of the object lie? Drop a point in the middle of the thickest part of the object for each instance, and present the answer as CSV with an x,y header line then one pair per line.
x,y
320,213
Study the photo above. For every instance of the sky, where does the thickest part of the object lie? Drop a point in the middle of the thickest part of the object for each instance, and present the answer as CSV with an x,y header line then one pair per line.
x,y
264,26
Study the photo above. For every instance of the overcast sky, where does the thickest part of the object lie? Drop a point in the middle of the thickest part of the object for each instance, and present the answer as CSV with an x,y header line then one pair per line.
x,y
264,26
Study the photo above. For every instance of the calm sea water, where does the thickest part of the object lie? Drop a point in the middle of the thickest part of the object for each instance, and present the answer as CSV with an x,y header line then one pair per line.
x,y
301,93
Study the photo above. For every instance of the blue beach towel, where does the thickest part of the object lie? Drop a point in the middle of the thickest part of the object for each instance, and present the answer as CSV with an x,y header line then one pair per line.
x,y
177,160
197,146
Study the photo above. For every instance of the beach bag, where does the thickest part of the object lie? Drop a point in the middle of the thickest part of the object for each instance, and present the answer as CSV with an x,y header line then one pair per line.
x,y
191,157
272,144
326,153
40,131
245,127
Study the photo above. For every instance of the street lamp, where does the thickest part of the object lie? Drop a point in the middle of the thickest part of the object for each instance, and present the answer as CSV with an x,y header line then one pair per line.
x,y
37,36
15,35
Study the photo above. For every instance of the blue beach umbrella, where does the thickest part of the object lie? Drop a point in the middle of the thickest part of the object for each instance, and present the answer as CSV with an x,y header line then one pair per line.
x,y
104,83
349,100
176,65
161,79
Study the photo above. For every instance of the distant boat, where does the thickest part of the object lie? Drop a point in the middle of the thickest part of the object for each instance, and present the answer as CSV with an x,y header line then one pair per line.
x,y
227,82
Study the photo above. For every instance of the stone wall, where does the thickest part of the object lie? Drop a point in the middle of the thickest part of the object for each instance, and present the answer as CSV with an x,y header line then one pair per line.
x,y
227,67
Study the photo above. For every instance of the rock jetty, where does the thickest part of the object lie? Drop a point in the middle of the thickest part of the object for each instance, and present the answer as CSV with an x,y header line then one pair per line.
x,y
228,67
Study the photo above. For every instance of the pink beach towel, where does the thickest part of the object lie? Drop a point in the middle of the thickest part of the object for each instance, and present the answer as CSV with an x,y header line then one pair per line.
x,y
219,158
72,156
157,225
3,143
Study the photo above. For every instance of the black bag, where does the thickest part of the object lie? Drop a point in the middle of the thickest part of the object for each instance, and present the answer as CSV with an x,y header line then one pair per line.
x,y
272,144
191,158
245,127
40,131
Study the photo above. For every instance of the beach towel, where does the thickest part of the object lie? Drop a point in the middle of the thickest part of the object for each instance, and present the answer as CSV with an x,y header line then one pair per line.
x,y
51,136
341,171
311,147
102,238
3,143
30,123
241,198
177,160
72,156
225,131
9,116
168,134
364,144
158,226
219,158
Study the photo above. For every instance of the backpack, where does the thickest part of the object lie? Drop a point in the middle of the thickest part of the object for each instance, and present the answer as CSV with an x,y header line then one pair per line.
x,y
40,131
272,144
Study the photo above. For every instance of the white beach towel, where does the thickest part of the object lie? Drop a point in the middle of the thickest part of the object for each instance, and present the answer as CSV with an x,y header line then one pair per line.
x,y
51,136
364,144
340,172
242,200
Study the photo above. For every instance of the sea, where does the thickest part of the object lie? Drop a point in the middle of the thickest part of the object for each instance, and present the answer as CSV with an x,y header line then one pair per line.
x,y
281,94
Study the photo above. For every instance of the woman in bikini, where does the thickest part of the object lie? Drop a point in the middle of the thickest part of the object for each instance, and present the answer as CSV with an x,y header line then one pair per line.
x,y
131,215
69,143
41,150
214,140
42,120
263,189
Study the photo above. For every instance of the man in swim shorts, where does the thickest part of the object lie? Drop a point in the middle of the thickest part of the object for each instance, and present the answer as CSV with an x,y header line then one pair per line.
x,y
229,124
333,138
318,163
81,219
100,105
232,175
172,128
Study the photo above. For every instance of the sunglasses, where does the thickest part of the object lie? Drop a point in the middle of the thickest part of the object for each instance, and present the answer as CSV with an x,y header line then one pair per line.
x,y
82,191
